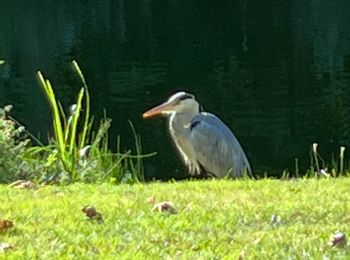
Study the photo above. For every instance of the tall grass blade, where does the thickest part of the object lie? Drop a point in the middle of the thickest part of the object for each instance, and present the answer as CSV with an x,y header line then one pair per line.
x,y
59,134
139,165
341,158
86,107
73,130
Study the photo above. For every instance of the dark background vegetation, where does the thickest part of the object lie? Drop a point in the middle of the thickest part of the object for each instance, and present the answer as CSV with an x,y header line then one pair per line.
x,y
277,72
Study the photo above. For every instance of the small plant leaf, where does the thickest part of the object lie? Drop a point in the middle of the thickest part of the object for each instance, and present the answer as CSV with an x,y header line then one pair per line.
x,y
5,224
275,220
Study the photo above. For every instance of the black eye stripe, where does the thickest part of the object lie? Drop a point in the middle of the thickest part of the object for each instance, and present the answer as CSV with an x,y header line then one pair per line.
x,y
186,96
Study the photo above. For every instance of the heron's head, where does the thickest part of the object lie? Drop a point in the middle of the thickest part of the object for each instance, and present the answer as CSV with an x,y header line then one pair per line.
x,y
180,102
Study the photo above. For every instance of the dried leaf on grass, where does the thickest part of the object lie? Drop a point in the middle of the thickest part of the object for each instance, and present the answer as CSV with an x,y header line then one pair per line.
x,y
165,207
5,224
23,184
337,240
151,200
5,246
92,213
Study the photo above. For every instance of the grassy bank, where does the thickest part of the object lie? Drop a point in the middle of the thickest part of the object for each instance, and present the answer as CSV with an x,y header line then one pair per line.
x,y
215,219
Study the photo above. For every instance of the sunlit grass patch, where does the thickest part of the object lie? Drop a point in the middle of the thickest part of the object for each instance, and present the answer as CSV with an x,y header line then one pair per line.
x,y
214,219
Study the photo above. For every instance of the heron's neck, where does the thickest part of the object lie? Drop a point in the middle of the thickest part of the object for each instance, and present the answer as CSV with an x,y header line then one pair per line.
x,y
181,122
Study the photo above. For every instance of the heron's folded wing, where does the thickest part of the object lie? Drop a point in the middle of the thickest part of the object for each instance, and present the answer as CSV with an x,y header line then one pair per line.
x,y
216,148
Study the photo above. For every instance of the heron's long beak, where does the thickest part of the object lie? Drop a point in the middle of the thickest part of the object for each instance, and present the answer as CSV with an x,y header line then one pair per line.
x,y
161,109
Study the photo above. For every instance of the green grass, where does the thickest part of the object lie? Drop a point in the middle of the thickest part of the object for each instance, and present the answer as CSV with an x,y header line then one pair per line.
x,y
216,219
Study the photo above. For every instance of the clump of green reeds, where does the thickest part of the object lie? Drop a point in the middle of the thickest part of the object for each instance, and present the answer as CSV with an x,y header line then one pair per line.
x,y
76,152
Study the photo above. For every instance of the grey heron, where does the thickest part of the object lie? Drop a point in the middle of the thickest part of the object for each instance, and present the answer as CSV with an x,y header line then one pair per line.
x,y
203,140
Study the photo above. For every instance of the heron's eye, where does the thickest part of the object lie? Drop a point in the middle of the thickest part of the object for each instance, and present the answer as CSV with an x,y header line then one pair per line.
x,y
186,96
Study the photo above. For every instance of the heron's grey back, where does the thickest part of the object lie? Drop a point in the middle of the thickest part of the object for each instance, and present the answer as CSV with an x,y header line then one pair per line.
x,y
216,147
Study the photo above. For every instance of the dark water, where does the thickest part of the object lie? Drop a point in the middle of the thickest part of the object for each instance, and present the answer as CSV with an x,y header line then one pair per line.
x,y
277,72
